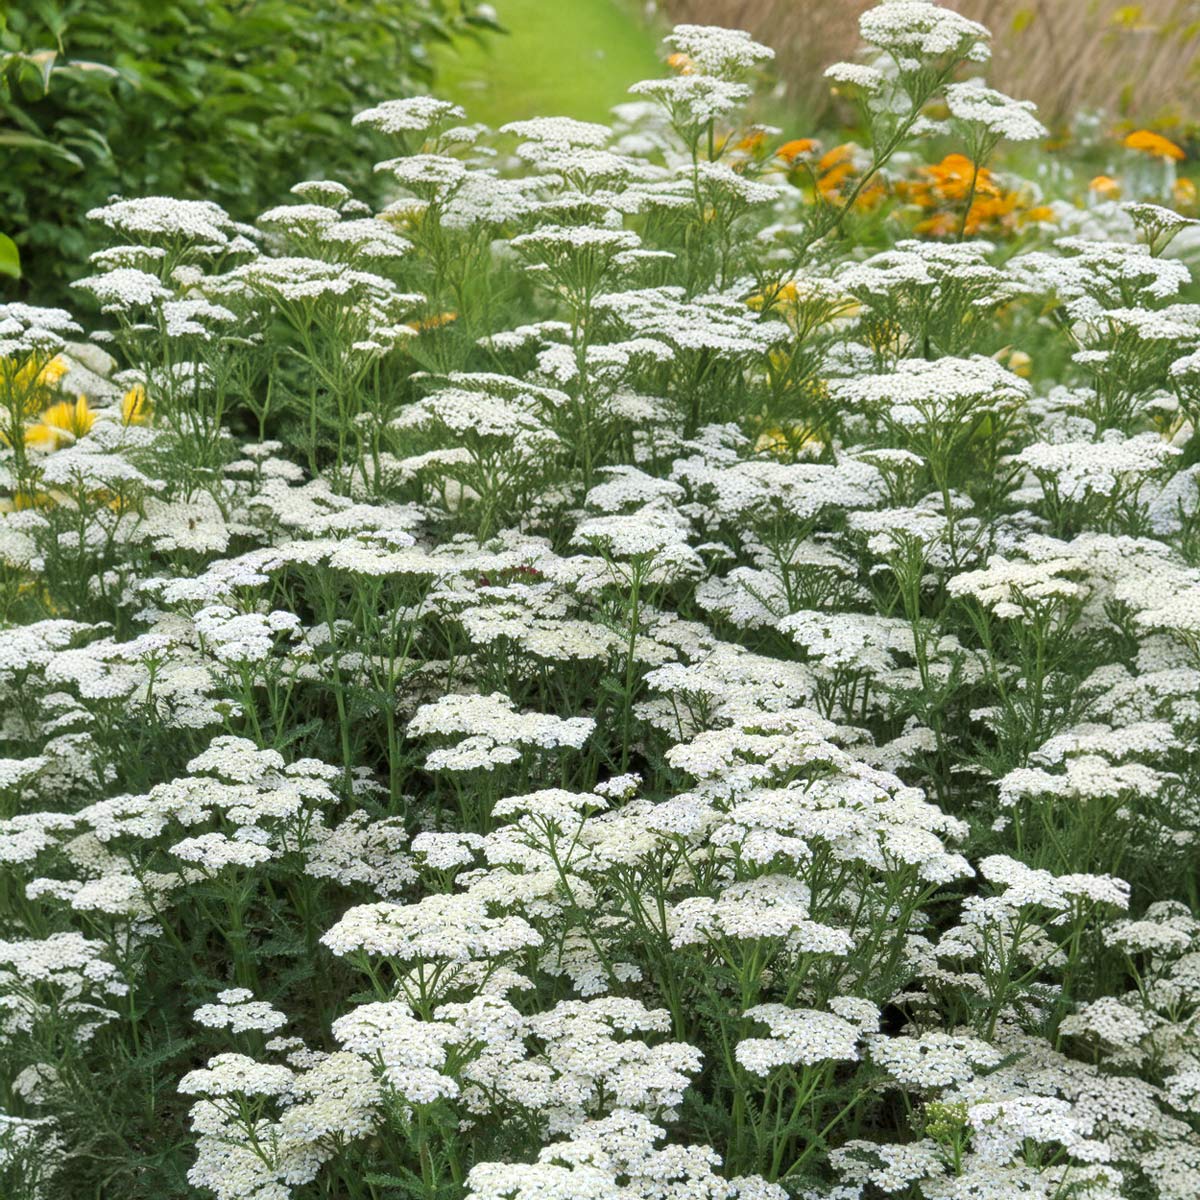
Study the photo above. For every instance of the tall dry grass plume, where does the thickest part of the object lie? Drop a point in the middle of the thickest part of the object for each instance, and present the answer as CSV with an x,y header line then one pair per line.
x,y
1140,61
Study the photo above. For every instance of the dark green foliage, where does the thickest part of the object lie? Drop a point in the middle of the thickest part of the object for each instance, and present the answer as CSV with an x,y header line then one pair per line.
x,y
225,100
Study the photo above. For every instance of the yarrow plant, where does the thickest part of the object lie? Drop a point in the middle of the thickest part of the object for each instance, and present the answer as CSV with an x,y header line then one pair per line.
x,y
642,668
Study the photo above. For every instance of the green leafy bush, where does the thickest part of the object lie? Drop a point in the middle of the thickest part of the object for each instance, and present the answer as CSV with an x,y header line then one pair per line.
x,y
232,101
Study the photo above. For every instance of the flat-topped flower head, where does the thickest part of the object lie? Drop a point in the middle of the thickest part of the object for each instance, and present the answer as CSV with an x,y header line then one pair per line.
x,y
159,220
237,1075
994,114
799,1037
559,131
455,929
920,31
922,393
327,192
124,289
1156,224
415,114
932,1060
28,330
692,101
236,1009
717,51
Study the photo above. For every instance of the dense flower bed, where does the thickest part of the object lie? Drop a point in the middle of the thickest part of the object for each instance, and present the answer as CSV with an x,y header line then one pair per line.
x,y
622,676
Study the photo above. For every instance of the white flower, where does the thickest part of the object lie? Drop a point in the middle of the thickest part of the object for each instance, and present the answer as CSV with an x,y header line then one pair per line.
x,y
922,30
996,114
454,928
216,851
150,218
237,1010
124,288
413,114
932,1060
560,131
799,1036
237,1074
715,50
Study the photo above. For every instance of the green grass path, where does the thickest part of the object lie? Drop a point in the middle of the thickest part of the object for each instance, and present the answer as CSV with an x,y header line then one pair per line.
x,y
571,58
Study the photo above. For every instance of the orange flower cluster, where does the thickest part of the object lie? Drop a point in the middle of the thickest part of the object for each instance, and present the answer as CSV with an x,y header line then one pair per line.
x,y
1151,145
832,175
1184,195
941,190
1149,142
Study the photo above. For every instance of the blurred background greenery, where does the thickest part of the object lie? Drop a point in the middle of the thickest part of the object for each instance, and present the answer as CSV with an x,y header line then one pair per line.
x,y
235,100
571,58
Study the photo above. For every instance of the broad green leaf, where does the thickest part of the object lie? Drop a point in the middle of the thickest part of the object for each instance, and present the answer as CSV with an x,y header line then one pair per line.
x,y
27,141
10,258
95,68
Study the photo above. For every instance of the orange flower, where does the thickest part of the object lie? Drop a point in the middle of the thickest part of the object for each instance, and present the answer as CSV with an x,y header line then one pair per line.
x,y
952,178
1105,187
836,157
681,62
992,211
942,190
834,168
941,224
1149,142
832,180
797,148
752,141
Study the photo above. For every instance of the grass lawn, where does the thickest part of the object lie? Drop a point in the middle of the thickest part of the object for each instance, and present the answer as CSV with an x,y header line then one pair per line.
x,y
562,58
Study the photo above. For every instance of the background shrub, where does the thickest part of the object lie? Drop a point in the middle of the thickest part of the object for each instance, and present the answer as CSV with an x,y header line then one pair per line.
x,y
232,101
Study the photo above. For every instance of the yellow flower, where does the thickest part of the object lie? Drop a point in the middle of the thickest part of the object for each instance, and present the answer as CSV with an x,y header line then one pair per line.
x,y
405,214
61,422
435,321
32,379
1149,142
46,376
785,293
135,408
25,500
1170,422
1019,363
788,442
